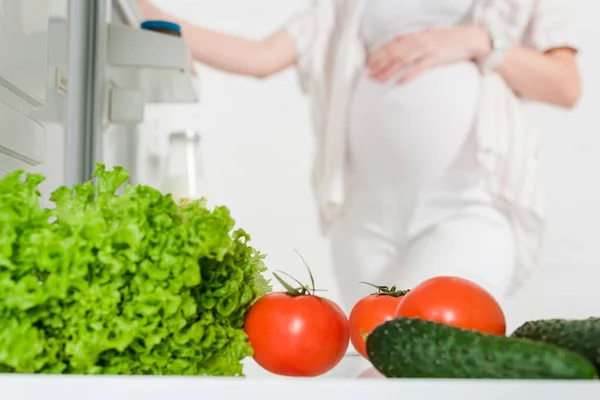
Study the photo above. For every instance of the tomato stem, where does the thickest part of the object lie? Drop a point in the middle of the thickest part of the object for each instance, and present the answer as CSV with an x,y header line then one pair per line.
x,y
303,290
290,290
312,279
387,291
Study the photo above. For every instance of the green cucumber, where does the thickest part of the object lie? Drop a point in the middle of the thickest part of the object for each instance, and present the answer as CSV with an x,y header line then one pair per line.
x,y
580,336
413,348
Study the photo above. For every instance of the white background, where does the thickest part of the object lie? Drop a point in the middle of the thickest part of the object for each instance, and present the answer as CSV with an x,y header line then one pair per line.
x,y
257,151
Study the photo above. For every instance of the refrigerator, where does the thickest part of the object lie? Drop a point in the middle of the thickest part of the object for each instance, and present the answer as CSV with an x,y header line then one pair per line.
x,y
75,79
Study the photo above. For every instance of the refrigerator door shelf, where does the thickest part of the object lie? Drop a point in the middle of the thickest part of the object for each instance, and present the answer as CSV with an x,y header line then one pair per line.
x,y
24,47
126,106
155,63
22,138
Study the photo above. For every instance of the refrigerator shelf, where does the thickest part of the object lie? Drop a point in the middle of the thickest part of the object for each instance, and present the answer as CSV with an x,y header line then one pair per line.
x,y
160,65
159,388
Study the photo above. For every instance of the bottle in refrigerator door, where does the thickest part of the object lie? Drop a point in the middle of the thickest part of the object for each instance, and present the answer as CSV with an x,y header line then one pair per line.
x,y
183,174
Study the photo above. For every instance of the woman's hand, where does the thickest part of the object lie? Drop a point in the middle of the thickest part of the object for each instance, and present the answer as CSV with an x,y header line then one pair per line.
x,y
149,10
417,52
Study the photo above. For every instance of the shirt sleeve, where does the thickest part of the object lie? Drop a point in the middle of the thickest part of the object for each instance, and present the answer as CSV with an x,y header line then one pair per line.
x,y
302,27
308,30
552,26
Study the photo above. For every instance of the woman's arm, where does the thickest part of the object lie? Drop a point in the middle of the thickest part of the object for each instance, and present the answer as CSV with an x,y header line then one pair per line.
x,y
258,58
550,77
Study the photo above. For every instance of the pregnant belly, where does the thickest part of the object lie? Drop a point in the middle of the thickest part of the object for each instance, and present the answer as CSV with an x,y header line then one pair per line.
x,y
416,131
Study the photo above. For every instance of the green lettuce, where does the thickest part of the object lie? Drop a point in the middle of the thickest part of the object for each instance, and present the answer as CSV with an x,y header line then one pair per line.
x,y
129,283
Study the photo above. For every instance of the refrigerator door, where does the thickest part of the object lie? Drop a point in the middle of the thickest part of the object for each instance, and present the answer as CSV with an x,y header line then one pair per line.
x,y
47,53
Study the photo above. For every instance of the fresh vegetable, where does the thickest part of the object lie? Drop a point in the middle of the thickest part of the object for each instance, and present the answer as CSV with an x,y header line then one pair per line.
x,y
121,284
371,311
297,333
456,302
413,348
580,336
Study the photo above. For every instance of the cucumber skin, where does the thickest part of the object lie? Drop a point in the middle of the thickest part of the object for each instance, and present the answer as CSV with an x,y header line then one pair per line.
x,y
579,336
413,348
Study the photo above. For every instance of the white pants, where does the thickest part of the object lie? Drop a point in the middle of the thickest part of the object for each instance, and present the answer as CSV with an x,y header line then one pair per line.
x,y
387,239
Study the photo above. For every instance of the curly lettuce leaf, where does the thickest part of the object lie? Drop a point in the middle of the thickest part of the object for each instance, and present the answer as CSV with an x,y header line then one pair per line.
x,y
122,284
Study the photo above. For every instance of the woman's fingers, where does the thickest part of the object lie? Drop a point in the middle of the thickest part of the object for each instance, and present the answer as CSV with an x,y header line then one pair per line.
x,y
385,55
396,55
379,60
389,71
395,65
149,10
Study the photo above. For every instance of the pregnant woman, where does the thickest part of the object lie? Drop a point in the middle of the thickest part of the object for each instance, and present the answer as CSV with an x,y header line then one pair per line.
x,y
425,162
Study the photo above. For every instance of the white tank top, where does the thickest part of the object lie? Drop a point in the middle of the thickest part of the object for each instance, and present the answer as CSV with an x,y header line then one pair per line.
x,y
385,19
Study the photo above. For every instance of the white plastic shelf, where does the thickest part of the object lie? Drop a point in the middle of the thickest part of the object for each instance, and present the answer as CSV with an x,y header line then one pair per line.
x,y
165,388
342,383
156,63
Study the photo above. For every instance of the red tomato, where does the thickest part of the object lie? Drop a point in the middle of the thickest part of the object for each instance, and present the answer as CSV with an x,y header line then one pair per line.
x,y
368,313
456,302
301,336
